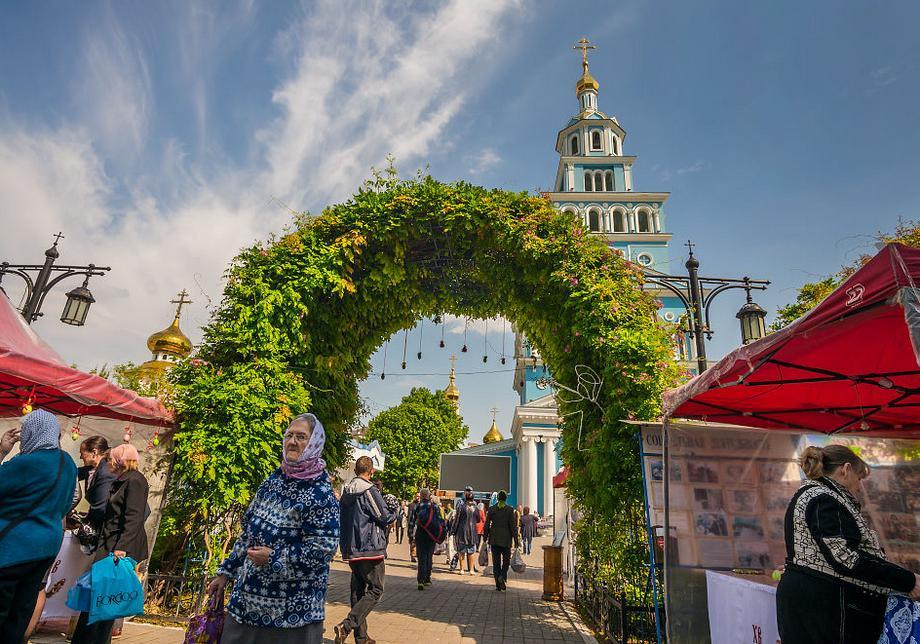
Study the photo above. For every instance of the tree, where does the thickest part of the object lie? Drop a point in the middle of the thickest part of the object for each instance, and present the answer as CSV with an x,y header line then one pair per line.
x,y
811,294
413,435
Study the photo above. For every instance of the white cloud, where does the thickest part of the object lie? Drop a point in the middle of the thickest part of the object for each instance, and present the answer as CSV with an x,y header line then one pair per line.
x,y
488,158
362,83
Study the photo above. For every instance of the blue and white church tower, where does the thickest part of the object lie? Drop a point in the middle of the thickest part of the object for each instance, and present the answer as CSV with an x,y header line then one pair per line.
x,y
594,182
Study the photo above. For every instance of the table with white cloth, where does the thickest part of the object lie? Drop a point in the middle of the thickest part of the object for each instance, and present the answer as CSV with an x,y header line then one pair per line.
x,y
743,609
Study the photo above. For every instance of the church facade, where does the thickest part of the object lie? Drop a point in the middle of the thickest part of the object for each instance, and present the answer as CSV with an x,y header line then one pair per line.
x,y
594,182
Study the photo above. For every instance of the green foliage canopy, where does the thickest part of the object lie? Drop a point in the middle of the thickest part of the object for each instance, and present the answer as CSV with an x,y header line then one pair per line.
x,y
302,314
413,435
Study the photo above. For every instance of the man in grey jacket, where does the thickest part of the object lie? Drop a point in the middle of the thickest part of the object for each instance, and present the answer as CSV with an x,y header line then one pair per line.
x,y
363,542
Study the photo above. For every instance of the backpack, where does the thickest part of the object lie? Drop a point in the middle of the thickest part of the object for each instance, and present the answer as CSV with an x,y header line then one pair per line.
x,y
432,523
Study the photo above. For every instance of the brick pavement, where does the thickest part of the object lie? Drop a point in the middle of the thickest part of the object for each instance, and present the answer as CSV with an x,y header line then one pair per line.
x,y
456,609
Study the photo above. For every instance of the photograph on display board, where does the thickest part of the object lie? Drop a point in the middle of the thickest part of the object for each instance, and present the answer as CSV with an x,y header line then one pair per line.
x,y
753,554
656,470
746,501
715,553
710,524
738,472
678,496
899,527
702,472
776,497
776,527
747,527
780,472
708,498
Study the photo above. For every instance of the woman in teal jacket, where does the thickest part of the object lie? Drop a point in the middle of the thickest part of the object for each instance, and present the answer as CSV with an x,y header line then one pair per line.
x,y
36,492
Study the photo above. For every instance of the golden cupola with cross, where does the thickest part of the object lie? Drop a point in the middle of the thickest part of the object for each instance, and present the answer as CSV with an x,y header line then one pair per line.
x,y
451,391
493,435
167,346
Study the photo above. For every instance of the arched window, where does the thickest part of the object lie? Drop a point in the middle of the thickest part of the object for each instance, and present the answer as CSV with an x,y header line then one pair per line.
x,y
619,221
595,140
573,144
613,145
644,222
598,181
594,221
608,181
589,182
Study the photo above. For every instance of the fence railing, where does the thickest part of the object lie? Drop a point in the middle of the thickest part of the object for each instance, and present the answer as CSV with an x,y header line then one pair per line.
x,y
174,595
611,614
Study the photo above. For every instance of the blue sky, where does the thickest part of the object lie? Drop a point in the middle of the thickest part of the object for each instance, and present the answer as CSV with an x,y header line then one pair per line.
x,y
161,137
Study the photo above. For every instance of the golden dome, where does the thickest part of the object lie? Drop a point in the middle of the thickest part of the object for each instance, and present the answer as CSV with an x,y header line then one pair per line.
x,y
586,82
493,435
170,340
451,391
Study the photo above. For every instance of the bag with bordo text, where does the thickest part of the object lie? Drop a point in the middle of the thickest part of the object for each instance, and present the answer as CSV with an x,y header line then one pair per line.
x,y
115,589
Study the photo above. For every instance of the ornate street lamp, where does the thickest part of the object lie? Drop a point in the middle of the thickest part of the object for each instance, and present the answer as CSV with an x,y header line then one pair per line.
x,y
752,317
77,306
78,300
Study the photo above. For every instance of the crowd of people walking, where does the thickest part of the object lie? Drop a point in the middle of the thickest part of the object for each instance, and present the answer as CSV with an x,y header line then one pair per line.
x,y
279,562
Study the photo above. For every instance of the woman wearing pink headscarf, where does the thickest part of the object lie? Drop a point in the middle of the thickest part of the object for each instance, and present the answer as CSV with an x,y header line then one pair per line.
x,y
122,529
281,559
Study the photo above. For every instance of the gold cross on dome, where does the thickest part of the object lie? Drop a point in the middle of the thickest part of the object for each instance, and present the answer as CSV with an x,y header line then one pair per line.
x,y
494,411
584,45
183,299
453,362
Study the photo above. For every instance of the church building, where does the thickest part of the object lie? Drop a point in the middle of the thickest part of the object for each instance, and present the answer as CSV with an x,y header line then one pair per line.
x,y
594,182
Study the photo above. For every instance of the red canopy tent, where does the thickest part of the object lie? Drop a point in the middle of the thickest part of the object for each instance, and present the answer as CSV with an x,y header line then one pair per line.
x,y
32,372
849,365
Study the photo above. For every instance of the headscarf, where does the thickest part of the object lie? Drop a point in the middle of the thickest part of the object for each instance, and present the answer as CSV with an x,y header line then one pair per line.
x,y
310,464
40,430
123,453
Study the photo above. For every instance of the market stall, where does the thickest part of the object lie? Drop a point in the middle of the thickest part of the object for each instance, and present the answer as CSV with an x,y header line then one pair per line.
x,y
34,376
848,370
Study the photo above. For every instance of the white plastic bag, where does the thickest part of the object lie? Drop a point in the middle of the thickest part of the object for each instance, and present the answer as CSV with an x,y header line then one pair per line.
x,y
517,562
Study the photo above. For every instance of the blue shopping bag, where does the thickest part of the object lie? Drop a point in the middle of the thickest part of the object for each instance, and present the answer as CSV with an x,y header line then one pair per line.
x,y
79,598
115,589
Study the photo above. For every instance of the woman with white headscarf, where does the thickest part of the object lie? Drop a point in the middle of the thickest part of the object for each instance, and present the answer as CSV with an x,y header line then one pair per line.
x,y
281,559
36,493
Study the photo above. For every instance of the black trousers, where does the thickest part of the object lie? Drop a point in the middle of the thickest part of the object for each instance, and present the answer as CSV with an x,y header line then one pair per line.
x,y
366,590
424,551
501,560
815,610
399,532
95,633
19,586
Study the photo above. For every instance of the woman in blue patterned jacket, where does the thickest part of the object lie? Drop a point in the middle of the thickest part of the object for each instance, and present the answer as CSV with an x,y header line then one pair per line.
x,y
281,560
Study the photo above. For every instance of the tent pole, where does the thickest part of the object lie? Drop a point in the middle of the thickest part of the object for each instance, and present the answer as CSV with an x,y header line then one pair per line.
x,y
666,466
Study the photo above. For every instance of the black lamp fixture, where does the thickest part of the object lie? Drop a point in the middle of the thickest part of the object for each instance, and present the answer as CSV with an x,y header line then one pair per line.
x,y
77,306
752,318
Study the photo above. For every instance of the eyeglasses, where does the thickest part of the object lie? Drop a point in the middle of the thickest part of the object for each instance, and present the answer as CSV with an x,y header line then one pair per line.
x,y
300,437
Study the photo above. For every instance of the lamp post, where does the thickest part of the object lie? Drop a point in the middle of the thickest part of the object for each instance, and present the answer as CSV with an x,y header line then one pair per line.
x,y
79,299
697,293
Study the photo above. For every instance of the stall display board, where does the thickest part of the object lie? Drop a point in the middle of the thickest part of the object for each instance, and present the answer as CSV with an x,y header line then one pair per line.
x,y
729,489
741,610
483,473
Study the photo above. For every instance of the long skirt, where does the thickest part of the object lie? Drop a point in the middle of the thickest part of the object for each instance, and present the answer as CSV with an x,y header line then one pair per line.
x,y
237,633
816,610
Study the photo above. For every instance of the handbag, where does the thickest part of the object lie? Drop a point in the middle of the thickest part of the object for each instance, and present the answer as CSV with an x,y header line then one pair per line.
x,y
207,627
115,589
483,554
517,562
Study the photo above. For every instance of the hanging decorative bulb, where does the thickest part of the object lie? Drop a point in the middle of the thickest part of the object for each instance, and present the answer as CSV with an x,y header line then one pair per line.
x,y
126,437
383,376
485,358
74,433
464,349
156,439
441,344
503,359
419,354
403,365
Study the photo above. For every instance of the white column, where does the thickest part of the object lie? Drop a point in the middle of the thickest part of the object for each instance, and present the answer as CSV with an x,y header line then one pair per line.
x,y
549,470
529,488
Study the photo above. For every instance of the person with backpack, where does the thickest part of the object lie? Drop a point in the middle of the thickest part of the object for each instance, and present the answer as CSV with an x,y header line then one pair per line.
x,y
36,493
430,530
365,523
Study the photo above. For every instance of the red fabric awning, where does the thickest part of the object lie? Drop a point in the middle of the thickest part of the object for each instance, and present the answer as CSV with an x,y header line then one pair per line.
x,y
849,365
560,479
29,368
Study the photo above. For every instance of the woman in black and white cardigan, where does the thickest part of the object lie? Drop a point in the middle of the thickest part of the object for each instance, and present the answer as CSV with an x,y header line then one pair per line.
x,y
837,580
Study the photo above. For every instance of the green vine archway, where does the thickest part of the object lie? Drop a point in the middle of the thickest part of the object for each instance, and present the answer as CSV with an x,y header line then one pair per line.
x,y
302,315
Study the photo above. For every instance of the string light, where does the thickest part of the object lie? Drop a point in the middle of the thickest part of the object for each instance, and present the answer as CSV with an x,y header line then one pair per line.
x,y
421,330
485,344
466,325
405,347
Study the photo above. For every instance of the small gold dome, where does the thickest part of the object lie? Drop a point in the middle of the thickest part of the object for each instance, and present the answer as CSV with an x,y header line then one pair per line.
x,y
585,83
451,391
493,435
170,340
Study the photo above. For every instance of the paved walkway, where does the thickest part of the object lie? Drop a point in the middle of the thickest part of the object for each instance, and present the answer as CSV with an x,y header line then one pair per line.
x,y
456,609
